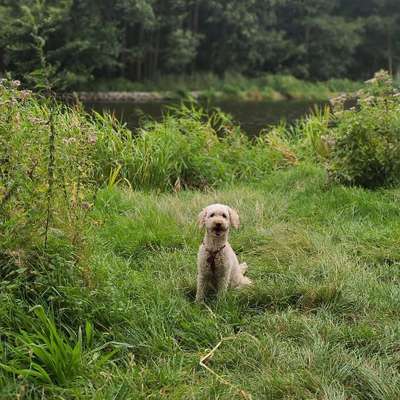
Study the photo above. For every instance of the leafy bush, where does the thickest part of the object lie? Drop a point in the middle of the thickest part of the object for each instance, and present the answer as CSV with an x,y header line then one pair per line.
x,y
366,139
47,184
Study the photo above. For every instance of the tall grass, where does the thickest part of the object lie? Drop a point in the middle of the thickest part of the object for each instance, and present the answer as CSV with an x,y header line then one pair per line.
x,y
187,149
46,355
320,320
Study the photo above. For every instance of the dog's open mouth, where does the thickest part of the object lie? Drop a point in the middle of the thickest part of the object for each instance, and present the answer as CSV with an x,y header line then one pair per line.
x,y
219,230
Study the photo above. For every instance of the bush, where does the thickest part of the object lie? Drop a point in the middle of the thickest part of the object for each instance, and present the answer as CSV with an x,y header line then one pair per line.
x,y
366,138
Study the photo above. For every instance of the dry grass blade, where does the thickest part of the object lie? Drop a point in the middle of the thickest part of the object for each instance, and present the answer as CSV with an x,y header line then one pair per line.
x,y
208,356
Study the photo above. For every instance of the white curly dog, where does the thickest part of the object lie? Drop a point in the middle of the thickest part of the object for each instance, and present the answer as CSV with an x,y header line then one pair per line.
x,y
217,265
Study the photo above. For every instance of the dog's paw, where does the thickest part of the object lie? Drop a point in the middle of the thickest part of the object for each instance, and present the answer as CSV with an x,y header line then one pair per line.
x,y
246,281
243,268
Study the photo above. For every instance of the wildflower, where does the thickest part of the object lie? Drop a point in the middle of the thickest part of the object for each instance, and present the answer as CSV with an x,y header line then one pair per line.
x,y
15,83
69,140
381,76
337,103
92,139
24,94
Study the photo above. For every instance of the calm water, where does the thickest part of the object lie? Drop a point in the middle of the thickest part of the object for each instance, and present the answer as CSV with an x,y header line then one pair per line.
x,y
252,116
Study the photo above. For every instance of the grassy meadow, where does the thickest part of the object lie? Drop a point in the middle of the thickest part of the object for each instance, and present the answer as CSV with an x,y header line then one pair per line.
x,y
98,251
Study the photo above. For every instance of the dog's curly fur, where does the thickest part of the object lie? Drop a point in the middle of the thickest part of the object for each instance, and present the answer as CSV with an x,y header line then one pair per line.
x,y
217,265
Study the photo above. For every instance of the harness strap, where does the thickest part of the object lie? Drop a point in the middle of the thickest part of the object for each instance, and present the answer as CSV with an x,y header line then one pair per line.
x,y
211,256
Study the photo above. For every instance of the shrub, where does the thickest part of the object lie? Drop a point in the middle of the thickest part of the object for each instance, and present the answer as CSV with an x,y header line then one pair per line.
x,y
366,138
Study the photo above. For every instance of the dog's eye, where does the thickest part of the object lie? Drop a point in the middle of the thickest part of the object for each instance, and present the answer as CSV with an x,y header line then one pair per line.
x,y
224,216
212,215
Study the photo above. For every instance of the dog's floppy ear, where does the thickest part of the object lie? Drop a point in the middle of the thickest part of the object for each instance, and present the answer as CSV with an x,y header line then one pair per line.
x,y
201,219
234,218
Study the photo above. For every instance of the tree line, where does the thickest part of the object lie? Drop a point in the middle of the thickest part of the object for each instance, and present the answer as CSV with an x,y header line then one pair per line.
x,y
75,41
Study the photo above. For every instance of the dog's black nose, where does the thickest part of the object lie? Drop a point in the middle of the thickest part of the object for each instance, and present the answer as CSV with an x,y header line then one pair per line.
x,y
218,225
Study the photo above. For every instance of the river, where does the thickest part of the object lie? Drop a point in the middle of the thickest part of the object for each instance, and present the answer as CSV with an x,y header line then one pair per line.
x,y
251,115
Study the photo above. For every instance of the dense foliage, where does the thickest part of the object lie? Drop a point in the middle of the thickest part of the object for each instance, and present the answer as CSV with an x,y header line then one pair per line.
x,y
78,41
359,145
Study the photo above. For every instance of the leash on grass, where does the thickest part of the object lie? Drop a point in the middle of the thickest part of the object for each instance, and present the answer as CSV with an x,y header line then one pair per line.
x,y
245,395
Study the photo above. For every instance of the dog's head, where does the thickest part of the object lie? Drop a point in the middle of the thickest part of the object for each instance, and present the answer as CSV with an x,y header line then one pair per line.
x,y
217,218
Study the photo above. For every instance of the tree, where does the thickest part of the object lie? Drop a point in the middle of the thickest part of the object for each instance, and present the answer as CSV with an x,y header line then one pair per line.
x,y
76,41
58,40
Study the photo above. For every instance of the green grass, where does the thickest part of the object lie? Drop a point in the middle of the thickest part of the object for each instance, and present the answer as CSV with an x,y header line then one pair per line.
x,y
233,85
320,322
99,302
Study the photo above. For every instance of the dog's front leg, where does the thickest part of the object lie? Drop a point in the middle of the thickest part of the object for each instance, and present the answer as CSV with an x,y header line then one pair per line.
x,y
201,288
222,285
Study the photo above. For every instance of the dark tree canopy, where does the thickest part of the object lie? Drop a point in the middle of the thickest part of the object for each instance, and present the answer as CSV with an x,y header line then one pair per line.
x,y
75,41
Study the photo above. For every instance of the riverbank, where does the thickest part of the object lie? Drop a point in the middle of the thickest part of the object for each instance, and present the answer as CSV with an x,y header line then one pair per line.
x,y
131,97
232,86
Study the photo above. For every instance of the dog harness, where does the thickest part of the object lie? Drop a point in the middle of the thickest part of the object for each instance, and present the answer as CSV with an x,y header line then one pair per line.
x,y
211,256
